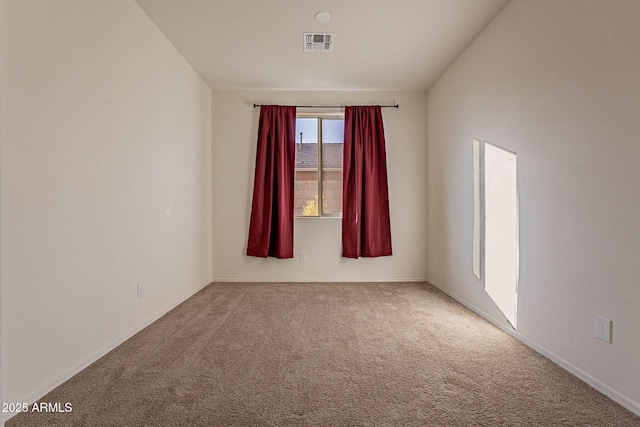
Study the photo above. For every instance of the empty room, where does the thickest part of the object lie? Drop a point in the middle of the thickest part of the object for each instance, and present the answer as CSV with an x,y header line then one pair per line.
x,y
320,212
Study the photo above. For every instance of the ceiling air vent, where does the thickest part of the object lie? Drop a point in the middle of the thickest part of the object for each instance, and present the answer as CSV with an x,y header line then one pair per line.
x,y
318,41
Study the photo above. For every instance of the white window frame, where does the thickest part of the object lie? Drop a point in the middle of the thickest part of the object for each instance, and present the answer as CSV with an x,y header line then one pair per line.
x,y
323,115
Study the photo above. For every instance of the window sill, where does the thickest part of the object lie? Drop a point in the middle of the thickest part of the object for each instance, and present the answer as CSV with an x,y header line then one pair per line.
x,y
319,217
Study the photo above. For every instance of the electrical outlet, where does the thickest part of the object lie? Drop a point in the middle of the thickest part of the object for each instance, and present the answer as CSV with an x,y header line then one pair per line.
x,y
302,257
140,289
603,329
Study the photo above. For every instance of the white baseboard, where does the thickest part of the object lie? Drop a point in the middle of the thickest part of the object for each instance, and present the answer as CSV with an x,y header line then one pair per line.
x,y
318,280
42,391
563,363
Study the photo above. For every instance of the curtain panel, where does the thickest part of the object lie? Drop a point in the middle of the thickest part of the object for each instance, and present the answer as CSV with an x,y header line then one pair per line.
x,y
271,226
366,226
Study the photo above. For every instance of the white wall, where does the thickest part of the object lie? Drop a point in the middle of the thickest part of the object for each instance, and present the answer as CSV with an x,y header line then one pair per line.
x,y
1,323
105,174
235,124
557,83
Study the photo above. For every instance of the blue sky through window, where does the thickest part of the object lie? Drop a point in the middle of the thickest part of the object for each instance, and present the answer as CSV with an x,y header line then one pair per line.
x,y
332,130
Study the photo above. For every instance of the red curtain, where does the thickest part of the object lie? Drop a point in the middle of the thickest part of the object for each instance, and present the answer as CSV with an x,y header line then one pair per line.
x,y
366,227
271,227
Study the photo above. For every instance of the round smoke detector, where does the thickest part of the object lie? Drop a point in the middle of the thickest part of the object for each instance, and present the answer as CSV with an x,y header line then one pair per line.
x,y
322,16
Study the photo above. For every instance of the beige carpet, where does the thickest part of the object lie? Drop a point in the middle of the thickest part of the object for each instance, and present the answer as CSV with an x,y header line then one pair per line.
x,y
340,354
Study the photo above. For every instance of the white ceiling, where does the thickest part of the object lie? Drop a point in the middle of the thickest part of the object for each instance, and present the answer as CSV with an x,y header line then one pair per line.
x,y
378,44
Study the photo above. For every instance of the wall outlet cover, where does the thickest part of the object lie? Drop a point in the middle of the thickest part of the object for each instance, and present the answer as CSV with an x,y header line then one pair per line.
x,y
603,329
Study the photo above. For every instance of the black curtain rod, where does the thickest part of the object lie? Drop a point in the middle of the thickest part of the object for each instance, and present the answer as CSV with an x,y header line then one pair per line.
x,y
327,106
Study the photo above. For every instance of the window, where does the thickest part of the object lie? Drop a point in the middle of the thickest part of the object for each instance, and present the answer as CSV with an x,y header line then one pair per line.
x,y
318,173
